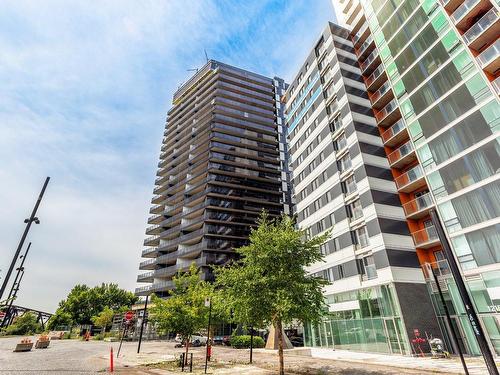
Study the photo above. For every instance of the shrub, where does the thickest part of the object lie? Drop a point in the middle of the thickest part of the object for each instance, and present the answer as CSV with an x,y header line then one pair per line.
x,y
26,324
243,342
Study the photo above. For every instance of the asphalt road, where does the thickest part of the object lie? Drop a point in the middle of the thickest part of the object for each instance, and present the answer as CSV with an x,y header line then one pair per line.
x,y
61,357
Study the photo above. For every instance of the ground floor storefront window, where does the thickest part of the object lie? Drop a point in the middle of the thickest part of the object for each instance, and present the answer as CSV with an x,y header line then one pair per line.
x,y
373,325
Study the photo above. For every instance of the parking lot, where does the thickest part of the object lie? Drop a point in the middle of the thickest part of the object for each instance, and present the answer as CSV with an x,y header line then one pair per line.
x,y
80,357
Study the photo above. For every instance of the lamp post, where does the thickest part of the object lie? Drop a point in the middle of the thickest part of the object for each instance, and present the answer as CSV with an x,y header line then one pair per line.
x,y
32,219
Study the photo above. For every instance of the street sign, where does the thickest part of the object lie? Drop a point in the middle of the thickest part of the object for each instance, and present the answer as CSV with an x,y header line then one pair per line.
x,y
129,315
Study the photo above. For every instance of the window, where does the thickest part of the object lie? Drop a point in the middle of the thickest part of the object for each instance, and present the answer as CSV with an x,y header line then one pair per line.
x,y
367,268
320,226
360,238
317,204
344,163
355,210
349,185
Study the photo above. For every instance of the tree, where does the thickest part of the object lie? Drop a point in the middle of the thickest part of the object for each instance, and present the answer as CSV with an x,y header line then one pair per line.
x,y
83,302
184,311
26,324
269,284
104,319
60,318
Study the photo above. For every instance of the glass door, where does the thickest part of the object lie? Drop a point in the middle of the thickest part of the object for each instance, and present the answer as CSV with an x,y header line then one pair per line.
x,y
392,336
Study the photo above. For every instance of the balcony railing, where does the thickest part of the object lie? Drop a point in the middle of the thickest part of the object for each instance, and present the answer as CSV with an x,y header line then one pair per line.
x,y
496,85
411,176
425,237
490,54
151,240
484,23
369,60
384,89
386,111
463,9
146,263
400,153
365,45
377,73
419,204
393,130
357,37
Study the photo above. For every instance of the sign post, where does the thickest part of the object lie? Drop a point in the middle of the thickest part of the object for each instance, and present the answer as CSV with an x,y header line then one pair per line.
x,y
129,315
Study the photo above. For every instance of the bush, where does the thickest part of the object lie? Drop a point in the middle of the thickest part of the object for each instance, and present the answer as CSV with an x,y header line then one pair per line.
x,y
26,324
243,342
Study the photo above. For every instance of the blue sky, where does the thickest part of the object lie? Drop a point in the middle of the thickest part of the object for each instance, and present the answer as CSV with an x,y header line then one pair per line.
x,y
85,89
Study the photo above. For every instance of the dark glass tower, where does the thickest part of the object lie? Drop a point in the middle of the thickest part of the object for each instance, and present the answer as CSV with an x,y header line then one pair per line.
x,y
221,164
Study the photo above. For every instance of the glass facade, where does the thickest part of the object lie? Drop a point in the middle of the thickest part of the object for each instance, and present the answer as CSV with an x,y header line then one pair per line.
x,y
373,325
449,112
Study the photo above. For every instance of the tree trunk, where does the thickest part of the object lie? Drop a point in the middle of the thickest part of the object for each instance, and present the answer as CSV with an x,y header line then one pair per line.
x,y
279,328
188,341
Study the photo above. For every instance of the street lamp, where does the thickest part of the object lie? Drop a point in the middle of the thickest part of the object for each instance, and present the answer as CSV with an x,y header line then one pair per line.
x,y
32,219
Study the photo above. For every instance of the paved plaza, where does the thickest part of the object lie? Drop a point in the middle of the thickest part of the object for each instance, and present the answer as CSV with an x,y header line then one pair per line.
x,y
78,357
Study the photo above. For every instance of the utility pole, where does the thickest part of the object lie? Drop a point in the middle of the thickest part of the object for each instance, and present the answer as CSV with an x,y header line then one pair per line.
x,y
28,222
19,270
464,295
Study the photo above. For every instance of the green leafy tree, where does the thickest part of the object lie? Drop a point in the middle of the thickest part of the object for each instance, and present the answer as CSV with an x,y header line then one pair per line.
x,y
184,312
269,284
26,324
59,319
104,319
83,302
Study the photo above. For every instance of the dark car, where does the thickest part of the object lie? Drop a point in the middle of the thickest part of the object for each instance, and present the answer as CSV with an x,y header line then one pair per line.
x,y
297,341
222,340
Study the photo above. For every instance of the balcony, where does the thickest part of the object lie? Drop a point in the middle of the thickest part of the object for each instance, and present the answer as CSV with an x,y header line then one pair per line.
x,y
403,156
376,79
156,209
361,35
496,85
419,207
425,238
358,22
156,287
149,253
483,32
371,62
489,59
382,96
397,133
148,264
155,219
451,5
152,241
145,277
389,114
411,180
153,229
463,17
365,49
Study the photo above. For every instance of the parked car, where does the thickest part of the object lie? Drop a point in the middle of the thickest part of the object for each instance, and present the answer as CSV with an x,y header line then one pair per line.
x,y
297,341
222,340
196,340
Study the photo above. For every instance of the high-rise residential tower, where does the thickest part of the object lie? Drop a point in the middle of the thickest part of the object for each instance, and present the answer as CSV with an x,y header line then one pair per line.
x,y
432,74
223,160
342,180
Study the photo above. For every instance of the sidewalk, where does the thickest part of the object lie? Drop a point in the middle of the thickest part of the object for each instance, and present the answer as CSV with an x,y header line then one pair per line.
x,y
453,365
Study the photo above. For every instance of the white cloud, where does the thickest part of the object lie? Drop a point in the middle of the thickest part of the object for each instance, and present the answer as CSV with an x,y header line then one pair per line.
x,y
85,88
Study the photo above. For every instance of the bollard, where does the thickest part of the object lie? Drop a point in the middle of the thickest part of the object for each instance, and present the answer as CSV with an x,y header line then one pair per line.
x,y
182,362
191,363
111,360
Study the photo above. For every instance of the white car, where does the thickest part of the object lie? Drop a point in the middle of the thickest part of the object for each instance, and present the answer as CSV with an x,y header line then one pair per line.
x,y
197,338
